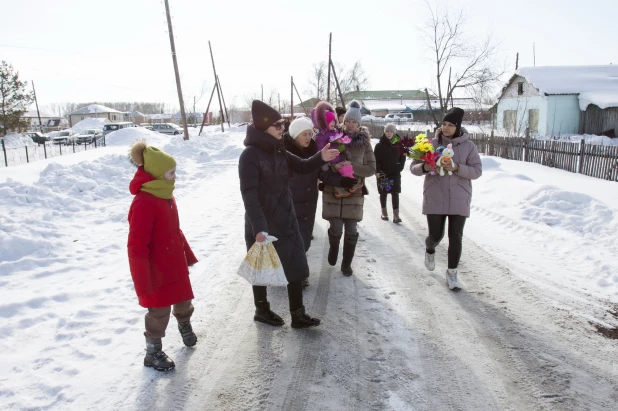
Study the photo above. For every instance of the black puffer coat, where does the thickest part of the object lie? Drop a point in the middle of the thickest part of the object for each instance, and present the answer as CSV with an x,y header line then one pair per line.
x,y
265,170
304,188
390,162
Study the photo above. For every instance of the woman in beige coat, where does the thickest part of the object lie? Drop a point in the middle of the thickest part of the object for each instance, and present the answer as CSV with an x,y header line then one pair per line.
x,y
348,211
449,196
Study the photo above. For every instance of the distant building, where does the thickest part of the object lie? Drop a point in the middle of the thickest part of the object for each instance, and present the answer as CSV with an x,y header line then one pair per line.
x,y
552,101
97,111
32,117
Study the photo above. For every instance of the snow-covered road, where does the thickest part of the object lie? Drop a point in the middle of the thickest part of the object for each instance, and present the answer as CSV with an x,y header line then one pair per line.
x,y
393,337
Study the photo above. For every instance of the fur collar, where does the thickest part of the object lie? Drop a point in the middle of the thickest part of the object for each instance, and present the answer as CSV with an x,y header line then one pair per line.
x,y
361,138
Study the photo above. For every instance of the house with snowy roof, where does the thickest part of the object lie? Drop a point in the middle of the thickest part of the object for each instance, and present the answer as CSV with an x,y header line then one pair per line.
x,y
97,111
553,101
32,117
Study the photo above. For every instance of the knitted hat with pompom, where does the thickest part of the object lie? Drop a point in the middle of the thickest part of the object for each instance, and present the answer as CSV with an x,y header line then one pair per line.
x,y
353,113
155,162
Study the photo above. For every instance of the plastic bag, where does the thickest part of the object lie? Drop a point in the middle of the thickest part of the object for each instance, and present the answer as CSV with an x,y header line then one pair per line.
x,y
262,265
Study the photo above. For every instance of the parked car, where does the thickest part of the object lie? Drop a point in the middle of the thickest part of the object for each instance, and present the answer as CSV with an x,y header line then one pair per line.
x,y
167,128
37,137
64,137
88,136
401,115
109,128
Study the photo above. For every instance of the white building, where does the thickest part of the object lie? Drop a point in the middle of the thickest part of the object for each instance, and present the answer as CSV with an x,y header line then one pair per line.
x,y
553,101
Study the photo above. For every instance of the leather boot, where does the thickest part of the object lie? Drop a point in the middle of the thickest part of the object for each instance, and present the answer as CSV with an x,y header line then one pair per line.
x,y
384,215
188,336
155,357
349,247
300,319
264,315
396,218
333,251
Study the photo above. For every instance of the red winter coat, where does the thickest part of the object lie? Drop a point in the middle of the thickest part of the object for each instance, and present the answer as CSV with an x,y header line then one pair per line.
x,y
159,254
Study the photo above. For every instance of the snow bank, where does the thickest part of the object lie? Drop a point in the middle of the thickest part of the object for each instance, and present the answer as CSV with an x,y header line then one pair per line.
x,y
89,123
127,136
588,138
15,140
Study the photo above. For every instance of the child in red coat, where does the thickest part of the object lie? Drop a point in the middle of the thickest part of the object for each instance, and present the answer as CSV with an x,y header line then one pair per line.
x,y
159,255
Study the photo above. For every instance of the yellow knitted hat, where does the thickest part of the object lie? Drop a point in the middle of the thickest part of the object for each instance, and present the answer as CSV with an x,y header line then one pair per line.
x,y
157,162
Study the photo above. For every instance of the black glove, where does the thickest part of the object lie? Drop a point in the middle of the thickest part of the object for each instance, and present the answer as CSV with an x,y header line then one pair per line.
x,y
347,182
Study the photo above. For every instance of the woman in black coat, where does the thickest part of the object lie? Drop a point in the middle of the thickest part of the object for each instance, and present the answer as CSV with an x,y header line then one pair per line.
x,y
304,187
389,164
265,169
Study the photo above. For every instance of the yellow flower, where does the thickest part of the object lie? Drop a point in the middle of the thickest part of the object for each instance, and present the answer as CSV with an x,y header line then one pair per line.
x,y
420,137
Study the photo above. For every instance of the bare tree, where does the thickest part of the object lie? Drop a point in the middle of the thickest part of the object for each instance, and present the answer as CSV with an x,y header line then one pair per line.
x,y
353,79
317,83
461,63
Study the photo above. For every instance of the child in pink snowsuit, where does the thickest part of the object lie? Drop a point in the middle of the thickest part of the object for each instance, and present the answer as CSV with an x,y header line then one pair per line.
x,y
325,119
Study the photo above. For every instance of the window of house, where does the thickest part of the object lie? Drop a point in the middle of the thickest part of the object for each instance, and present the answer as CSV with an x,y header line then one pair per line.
x,y
520,88
533,120
114,117
510,120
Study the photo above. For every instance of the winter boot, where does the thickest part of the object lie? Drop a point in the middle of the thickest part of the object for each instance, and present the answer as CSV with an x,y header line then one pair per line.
x,y
451,279
188,336
430,261
396,218
264,315
349,247
384,214
300,319
306,283
155,357
333,251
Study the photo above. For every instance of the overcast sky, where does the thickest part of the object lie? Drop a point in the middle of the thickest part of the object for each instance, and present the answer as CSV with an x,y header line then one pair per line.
x,y
118,50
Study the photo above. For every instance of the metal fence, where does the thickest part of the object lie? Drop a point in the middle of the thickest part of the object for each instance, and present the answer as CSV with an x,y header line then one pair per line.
x,y
577,157
12,156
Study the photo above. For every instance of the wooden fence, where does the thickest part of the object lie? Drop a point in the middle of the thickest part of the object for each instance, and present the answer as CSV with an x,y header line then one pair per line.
x,y
577,157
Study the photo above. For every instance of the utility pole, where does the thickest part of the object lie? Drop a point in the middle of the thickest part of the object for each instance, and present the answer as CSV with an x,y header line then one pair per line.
x,y
534,53
217,84
220,88
291,96
262,92
38,113
517,61
330,42
180,99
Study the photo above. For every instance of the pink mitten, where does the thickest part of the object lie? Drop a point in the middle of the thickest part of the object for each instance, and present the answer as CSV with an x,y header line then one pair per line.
x,y
347,171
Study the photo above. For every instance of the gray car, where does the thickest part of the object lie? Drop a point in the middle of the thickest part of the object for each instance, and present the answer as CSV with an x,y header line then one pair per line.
x,y
167,128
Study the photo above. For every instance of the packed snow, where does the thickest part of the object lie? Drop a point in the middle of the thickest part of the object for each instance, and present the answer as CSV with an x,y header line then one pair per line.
x,y
15,140
540,265
594,84
90,123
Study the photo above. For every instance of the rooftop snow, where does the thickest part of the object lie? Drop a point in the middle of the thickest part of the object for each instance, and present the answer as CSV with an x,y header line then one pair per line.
x,y
95,108
594,84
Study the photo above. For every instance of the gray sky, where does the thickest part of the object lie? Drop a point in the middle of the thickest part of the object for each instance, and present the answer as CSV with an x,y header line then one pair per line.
x,y
115,50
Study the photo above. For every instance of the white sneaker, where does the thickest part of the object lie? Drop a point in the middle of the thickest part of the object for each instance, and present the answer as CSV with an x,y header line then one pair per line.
x,y
430,262
451,279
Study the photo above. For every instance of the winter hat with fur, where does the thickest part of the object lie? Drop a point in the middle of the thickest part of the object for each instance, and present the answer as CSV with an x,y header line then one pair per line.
x,y
299,125
322,110
155,161
390,127
353,112
263,115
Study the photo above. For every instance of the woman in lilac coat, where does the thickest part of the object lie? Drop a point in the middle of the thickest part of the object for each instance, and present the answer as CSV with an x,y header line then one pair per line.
x,y
449,196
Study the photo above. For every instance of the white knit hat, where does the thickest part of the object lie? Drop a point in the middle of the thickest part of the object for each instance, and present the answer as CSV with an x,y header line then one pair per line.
x,y
299,125
353,113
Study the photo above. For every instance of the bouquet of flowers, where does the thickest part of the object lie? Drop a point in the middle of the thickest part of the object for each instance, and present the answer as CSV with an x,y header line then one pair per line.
x,y
385,184
342,139
421,148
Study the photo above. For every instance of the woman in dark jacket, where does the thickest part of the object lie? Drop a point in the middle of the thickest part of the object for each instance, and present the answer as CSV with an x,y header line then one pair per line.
x,y
265,169
389,163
